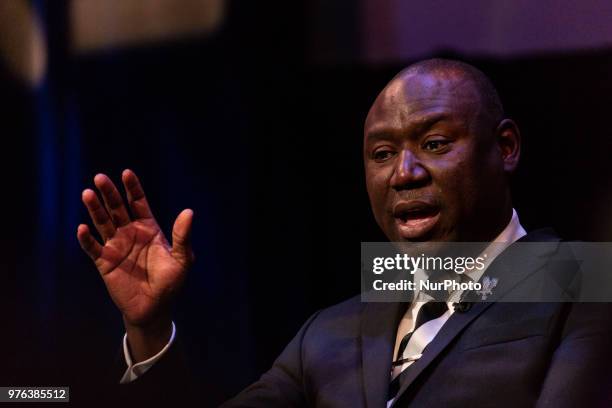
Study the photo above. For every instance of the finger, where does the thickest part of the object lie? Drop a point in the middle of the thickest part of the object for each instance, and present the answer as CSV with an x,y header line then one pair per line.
x,y
181,237
98,214
112,200
136,196
88,242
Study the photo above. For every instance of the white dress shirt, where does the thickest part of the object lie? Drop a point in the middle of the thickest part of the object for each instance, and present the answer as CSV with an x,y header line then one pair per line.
x,y
427,331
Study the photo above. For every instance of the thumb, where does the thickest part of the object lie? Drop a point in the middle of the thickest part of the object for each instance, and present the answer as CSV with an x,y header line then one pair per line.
x,y
181,237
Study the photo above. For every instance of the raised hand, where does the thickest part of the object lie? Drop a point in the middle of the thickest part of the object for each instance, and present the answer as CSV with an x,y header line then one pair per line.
x,y
142,272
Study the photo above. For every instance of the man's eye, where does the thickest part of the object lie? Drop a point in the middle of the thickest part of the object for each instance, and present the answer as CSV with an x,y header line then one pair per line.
x,y
382,155
435,145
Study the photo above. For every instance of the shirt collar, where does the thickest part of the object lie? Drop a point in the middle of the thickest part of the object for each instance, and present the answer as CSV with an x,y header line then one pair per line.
x,y
512,233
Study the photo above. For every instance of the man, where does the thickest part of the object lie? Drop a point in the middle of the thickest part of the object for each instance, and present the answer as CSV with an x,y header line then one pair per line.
x,y
438,155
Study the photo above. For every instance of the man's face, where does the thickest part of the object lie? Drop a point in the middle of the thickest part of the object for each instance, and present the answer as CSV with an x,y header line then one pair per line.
x,y
433,173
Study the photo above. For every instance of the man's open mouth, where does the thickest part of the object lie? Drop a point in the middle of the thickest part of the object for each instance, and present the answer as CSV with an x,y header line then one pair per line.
x,y
415,219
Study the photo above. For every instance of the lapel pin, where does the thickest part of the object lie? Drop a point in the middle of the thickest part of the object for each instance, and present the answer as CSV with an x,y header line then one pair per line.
x,y
487,287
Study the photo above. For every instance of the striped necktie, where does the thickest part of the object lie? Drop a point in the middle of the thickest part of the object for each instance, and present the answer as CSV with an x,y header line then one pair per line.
x,y
429,311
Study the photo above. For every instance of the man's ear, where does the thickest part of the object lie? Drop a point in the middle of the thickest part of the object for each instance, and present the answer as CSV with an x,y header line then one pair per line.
x,y
509,142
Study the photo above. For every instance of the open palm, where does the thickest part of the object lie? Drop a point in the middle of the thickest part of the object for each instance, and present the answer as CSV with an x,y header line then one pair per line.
x,y
139,267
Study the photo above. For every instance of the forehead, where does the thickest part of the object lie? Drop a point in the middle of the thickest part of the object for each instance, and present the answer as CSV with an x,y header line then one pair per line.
x,y
413,99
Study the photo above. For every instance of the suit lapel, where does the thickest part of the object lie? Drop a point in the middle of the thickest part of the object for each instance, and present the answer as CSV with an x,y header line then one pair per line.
x,y
378,330
509,274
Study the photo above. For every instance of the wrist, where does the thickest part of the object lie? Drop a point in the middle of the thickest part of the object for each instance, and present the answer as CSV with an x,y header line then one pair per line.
x,y
146,340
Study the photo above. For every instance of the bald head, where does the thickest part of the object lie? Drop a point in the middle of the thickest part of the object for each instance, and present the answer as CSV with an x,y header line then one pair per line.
x,y
490,110
436,139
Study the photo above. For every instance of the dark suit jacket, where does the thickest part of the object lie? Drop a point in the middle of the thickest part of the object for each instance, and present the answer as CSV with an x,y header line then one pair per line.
x,y
493,355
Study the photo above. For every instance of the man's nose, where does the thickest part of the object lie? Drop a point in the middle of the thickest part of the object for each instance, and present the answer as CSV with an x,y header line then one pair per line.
x,y
409,172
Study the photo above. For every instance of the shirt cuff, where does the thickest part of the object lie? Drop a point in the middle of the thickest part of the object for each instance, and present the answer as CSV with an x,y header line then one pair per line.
x,y
134,371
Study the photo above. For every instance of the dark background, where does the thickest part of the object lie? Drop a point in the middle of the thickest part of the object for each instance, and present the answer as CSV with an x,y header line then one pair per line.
x,y
263,141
